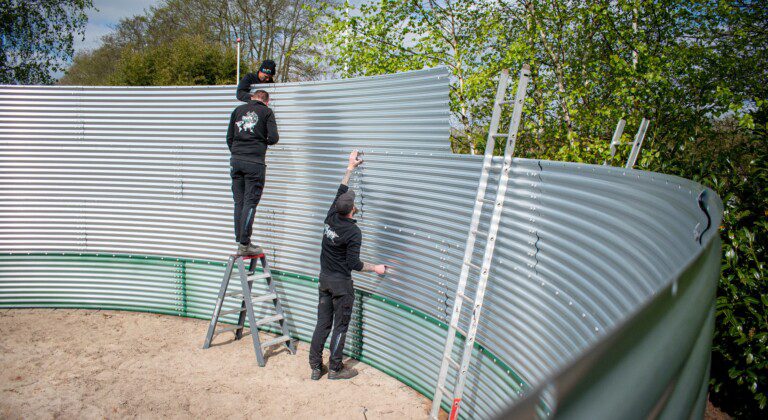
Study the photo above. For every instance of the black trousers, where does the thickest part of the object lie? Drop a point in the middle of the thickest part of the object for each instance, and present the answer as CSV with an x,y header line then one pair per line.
x,y
247,186
332,309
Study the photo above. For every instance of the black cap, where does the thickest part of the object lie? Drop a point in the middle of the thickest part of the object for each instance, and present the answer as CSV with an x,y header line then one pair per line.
x,y
345,202
268,67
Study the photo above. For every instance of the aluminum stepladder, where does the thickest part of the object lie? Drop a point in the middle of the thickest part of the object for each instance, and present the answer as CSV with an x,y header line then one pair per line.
x,y
498,205
247,299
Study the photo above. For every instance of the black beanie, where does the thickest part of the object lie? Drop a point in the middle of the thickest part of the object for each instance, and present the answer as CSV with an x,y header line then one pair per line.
x,y
268,67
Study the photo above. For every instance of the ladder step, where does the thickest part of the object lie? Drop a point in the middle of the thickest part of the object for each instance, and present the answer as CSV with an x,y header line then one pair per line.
x,y
267,320
471,264
252,277
452,362
264,298
486,201
465,297
446,392
254,298
231,311
278,340
225,329
500,135
462,332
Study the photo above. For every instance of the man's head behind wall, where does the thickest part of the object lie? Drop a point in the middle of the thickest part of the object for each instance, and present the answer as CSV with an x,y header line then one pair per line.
x,y
261,95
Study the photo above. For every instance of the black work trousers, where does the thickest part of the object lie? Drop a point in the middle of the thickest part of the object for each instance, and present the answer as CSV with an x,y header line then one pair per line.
x,y
247,186
332,309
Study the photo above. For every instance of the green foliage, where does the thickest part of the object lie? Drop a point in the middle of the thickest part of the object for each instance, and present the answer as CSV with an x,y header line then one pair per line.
x,y
695,68
283,30
188,60
92,68
36,38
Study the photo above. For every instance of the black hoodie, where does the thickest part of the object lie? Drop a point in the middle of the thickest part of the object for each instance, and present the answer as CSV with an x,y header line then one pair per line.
x,y
252,128
244,87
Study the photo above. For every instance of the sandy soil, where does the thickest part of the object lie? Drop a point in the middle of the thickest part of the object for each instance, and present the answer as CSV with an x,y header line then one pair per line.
x,y
107,364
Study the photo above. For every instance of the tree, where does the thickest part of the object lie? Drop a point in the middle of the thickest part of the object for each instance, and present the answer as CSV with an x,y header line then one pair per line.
x,y
187,60
697,68
282,30
36,37
394,36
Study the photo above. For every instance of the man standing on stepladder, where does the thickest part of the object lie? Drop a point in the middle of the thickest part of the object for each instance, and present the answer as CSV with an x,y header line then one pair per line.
x,y
339,256
252,128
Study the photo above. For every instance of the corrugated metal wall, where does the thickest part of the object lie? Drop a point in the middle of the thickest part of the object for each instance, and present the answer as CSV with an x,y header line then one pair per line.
x,y
142,173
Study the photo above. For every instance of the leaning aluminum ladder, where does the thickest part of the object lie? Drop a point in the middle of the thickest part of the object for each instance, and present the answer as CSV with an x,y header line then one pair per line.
x,y
247,299
498,205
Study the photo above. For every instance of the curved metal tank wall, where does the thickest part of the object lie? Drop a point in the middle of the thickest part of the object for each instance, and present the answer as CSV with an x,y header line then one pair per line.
x,y
599,301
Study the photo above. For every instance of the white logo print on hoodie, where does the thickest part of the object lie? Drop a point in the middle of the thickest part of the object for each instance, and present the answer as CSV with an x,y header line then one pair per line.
x,y
247,122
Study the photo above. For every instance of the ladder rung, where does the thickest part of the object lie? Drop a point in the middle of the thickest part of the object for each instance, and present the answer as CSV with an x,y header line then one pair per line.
x,y
278,340
267,320
465,297
487,201
446,391
231,311
252,277
225,329
453,363
264,298
254,298
505,101
462,332
471,264
500,135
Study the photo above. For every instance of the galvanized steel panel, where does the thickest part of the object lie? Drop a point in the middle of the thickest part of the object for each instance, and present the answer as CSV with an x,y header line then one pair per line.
x,y
127,190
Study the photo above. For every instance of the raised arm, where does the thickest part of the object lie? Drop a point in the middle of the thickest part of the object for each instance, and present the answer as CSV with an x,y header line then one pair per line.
x,y
244,87
353,163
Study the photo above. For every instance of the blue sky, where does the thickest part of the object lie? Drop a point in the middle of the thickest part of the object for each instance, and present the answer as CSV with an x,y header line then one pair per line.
x,y
109,13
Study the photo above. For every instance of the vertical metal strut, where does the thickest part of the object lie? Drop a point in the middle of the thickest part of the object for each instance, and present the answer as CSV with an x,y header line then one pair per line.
x,y
616,140
637,144
498,205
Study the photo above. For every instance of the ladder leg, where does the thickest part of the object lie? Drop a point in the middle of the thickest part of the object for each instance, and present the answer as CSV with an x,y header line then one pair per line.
x,y
219,302
241,317
278,305
249,311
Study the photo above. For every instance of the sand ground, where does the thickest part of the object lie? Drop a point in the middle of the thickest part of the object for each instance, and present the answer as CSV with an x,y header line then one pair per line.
x,y
62,363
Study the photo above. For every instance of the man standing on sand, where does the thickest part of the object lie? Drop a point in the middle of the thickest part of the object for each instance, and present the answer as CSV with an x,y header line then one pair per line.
x,y
266,74
252,128
339,256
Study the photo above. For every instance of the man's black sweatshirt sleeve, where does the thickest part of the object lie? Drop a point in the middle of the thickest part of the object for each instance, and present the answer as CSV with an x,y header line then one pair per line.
x,y
244,87
231,131
272,136
353,251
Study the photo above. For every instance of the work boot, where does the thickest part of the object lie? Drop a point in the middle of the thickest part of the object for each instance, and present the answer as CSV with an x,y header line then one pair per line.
x,y
249,249
344,373
318,373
